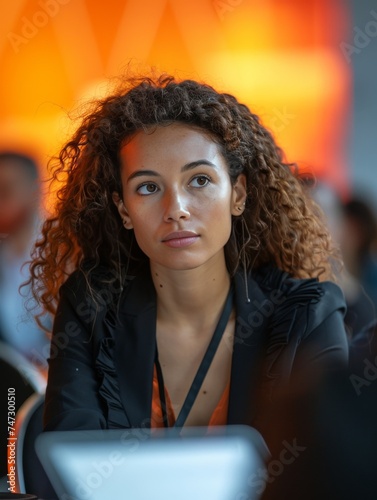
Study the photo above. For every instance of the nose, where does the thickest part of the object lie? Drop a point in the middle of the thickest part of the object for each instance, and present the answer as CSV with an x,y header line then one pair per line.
x,y
176,206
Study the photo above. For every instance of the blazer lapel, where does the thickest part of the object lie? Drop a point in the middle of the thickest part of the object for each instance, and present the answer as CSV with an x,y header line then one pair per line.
x,y
135,341
248,351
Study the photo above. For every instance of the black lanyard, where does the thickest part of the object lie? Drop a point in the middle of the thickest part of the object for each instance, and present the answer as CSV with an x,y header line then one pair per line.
x,y
202,371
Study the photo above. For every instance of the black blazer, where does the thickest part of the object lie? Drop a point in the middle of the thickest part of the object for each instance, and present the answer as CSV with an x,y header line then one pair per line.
x,y
102,358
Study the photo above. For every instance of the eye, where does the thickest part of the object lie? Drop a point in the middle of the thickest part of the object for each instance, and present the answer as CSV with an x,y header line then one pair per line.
x,y
147,188
200,181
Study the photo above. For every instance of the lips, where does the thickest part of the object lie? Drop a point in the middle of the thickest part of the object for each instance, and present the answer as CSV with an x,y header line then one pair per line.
x,y
177,235
180,239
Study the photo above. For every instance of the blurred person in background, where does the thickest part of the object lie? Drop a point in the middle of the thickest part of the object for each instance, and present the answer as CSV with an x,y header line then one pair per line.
x,y
358,244
358,241
19,228
354,236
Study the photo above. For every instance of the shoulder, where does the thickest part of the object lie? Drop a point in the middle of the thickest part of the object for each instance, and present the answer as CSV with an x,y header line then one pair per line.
x,y
92,294
294,296
89,299
300,289
96,282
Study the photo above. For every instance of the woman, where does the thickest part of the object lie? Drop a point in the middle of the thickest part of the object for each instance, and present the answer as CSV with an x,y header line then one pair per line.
x,y
184,236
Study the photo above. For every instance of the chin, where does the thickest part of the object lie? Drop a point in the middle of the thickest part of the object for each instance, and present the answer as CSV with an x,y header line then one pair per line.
x,y
186,264
182,266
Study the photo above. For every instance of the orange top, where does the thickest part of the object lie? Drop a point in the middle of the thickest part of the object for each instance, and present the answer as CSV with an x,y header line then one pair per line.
x,y
218,417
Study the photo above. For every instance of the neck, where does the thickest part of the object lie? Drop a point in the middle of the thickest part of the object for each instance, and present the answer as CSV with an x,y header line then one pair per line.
x,y
191,298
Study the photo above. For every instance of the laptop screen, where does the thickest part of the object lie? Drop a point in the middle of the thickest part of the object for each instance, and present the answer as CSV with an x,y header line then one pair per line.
x,y
140,464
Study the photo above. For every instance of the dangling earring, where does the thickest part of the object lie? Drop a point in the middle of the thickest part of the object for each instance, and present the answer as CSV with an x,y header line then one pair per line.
x,y
243,255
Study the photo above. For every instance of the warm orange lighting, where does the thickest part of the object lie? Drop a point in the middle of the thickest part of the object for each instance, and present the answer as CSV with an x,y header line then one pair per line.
x,y
280,58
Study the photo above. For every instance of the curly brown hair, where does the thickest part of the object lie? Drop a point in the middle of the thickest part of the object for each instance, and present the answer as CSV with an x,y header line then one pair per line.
x,y
282,224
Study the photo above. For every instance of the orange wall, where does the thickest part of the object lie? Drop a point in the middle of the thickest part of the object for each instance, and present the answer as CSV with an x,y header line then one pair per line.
x,y
281,57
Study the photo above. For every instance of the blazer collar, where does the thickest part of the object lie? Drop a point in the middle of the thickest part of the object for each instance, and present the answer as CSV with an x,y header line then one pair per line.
x,y
135,344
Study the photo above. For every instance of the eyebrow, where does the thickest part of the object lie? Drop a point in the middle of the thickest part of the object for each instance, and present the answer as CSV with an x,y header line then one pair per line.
x,y
187,166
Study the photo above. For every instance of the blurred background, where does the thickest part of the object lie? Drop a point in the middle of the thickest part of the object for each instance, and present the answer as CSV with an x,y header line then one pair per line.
x,y
295,63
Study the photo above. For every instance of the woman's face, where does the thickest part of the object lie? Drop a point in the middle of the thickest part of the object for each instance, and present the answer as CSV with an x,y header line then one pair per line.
x,y
177,196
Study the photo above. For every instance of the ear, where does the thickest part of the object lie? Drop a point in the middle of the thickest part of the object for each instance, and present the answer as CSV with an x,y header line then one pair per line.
x,y
122,211
239,195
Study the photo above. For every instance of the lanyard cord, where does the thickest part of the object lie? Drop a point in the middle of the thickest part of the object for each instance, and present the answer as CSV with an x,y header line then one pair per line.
x,y
202,371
